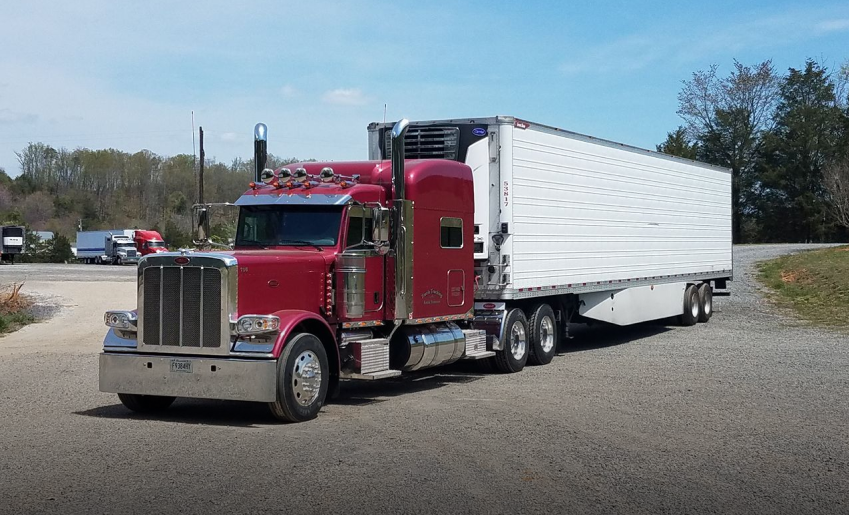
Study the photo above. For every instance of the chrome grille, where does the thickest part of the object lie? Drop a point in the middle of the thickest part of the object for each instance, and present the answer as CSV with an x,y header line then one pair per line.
x,y
182,306
428,143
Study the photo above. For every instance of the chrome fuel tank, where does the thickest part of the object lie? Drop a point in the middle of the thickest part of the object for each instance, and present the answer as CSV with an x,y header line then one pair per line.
x,y
416,347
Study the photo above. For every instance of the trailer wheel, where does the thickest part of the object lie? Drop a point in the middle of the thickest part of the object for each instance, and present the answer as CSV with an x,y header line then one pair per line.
x,y
691,306
705,302
303,378
543,328
145,403
515,353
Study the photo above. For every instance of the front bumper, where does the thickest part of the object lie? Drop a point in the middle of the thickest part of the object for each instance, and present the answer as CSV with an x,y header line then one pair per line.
x,y
203,378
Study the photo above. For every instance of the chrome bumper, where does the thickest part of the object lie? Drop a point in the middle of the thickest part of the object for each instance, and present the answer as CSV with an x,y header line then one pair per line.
x,y
209,378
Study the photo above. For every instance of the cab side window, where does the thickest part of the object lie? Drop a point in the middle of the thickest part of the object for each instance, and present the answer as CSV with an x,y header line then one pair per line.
x,y
451,233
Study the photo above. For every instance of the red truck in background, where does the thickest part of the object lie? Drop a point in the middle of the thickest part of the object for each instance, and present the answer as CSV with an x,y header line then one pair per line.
x,y
364,270
149,242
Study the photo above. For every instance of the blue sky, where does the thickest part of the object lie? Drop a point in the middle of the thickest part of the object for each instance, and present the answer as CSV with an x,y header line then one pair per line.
x,y
128,74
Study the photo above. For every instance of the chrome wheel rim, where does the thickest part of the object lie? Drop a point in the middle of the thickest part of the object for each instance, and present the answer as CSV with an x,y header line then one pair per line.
x,y
306,378
546,334
518,341
708,303
694,308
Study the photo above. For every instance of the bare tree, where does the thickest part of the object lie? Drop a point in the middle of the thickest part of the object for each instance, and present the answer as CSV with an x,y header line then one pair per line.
x,y
836,179
728,117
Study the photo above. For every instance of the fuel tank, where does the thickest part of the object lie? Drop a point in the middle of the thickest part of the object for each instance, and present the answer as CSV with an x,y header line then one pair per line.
x,y
414,347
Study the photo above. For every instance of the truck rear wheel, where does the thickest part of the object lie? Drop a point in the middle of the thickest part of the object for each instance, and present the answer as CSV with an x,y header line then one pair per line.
x,y
145,403
705,302
303,378
543,339
514,355
691,306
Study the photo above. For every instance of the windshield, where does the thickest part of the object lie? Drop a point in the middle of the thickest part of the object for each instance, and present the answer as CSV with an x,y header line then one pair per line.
x,y
266,226
154,244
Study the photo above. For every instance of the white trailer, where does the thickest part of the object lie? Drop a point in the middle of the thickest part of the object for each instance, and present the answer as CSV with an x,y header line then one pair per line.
x,y
593,228
113,246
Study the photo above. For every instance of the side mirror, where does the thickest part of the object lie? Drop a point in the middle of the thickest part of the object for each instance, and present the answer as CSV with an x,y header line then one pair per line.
x,y
200,217
380,231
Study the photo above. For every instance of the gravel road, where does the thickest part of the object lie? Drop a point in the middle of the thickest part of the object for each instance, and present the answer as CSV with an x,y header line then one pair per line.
x,y
745,414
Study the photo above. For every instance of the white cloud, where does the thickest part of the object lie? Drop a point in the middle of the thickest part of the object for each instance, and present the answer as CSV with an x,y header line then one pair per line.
x,y
288,91
838,25
347,97
9,117
665,44
229,136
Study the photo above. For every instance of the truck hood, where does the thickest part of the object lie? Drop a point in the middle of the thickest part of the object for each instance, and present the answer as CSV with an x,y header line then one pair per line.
x,y
273,280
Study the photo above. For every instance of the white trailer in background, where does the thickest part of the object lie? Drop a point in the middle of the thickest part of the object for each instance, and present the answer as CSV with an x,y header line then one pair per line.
x,y
588,227
102,247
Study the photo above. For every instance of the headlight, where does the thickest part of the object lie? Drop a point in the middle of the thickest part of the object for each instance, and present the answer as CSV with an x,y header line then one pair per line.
x,y
257,324
125,320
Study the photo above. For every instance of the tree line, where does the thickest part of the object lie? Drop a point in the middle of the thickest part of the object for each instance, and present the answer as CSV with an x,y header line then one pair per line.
x,y
785,138
60,190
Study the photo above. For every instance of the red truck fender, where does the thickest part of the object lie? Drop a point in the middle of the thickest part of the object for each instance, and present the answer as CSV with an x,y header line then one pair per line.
x,y
297,321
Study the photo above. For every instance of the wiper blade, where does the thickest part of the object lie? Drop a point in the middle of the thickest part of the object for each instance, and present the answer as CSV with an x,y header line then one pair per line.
x,y
302,242
252,243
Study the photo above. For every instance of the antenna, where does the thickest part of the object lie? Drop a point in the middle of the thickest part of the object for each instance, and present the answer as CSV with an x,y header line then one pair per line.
x,y
384,114
194,152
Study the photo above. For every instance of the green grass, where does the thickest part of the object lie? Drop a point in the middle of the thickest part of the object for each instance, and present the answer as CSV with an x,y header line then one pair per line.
x,y
12,321
815,284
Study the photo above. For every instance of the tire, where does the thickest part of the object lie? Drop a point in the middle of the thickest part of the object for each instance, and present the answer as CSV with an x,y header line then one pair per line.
x,y
145,403
705,302
543,341
296,401
514,356
691,306
119,261
97,260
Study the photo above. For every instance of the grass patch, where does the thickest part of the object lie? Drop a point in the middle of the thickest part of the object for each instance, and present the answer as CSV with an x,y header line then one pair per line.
x,y
14,309
815,284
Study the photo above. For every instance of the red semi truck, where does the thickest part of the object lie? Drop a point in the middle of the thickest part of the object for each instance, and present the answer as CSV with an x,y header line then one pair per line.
x,y
486,245
149,242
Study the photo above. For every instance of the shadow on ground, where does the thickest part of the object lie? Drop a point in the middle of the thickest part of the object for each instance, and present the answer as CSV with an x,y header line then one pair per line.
x,y
361,393
252,414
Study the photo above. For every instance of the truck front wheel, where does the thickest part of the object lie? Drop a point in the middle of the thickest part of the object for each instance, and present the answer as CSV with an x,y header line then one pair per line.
x,y
514,355
303,378
145,403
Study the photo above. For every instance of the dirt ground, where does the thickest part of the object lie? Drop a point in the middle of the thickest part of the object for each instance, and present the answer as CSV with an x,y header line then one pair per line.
x,y
745,414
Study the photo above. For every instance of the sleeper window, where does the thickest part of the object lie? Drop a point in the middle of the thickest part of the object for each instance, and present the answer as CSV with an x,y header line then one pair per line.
x,y
451,233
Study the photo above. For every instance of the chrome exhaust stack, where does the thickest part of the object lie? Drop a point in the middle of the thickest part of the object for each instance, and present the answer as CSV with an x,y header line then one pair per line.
x,y
260,150
398,133
402,227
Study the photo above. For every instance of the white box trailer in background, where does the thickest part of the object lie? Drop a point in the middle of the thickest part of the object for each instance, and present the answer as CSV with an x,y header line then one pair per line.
x,y
595,228
114,246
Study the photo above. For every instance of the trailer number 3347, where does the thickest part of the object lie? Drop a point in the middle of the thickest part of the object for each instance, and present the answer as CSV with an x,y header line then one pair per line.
x,y
506,193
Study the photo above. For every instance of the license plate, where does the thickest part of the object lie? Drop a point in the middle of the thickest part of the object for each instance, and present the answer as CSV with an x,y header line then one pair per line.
x,y
181,365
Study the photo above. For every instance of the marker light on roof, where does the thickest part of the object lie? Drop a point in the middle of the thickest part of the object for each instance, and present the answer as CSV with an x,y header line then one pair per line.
x,y
326,174
267,176
300,174
284,174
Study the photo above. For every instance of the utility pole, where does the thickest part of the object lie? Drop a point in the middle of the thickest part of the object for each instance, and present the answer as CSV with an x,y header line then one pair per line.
x,y
200,169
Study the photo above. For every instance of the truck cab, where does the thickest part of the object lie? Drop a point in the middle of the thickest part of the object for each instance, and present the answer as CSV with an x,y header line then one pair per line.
x,y
351,270
149,242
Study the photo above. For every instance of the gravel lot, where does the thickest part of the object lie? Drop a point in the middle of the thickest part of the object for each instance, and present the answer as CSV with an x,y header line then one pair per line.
x,y
746,414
